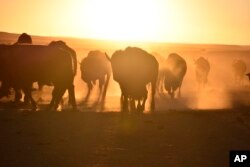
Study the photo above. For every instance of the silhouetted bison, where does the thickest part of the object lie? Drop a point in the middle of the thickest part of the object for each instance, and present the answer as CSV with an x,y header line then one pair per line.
x,y
62,45
133,68
24,39
25,64
175,68
202,68
96,66
239,70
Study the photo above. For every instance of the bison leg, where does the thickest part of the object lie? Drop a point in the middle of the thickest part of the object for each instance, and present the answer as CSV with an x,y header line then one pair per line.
x,y
72,99
58,96
141,104
172,94
124,100
18,95
144,102
179,94
132,104
101,85
27,92
52,102
26,99
160,84
124,103
106,86
139,107
69,97
153,88
90,86
4,90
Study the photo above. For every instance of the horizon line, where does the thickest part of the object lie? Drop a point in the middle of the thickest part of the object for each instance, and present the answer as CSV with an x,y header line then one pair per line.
x,y
132,41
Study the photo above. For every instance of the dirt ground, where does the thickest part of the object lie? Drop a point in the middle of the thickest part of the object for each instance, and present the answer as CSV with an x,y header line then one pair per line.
x,y
172,138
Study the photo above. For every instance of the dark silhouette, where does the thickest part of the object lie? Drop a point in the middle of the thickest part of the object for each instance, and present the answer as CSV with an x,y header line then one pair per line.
x,y
5,88
4,66
96,66
24,39
248,74
175,68
202,68
62,45
25,64
133,68
239,68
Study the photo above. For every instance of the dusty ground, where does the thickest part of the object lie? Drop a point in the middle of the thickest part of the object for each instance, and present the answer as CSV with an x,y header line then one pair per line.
x,y
171,138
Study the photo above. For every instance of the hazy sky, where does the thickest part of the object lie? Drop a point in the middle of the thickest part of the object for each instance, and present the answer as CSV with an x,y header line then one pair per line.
x,y
195,21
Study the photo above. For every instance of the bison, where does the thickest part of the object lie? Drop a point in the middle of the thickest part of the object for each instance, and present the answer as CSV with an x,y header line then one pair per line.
x,y
96,66
134,68
62,45
175,68
202,68
24,38
25,64
239,68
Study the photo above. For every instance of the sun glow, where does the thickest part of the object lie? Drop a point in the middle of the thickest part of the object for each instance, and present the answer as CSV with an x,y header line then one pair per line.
x,y
182,21
123,20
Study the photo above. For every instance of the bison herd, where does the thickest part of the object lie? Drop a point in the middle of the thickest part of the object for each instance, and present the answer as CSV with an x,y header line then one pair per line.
x,y
134,69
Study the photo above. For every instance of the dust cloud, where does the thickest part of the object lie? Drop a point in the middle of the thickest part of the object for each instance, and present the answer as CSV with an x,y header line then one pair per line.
x,y
221,91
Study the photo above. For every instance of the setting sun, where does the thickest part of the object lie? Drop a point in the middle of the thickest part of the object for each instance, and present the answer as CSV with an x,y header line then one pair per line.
x,y
124,20
192,21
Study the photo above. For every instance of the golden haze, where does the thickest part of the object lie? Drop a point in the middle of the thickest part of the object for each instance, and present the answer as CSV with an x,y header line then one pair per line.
x,y
187,21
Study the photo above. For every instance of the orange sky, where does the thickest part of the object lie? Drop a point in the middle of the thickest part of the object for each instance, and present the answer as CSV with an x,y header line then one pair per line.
x,y
185,21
